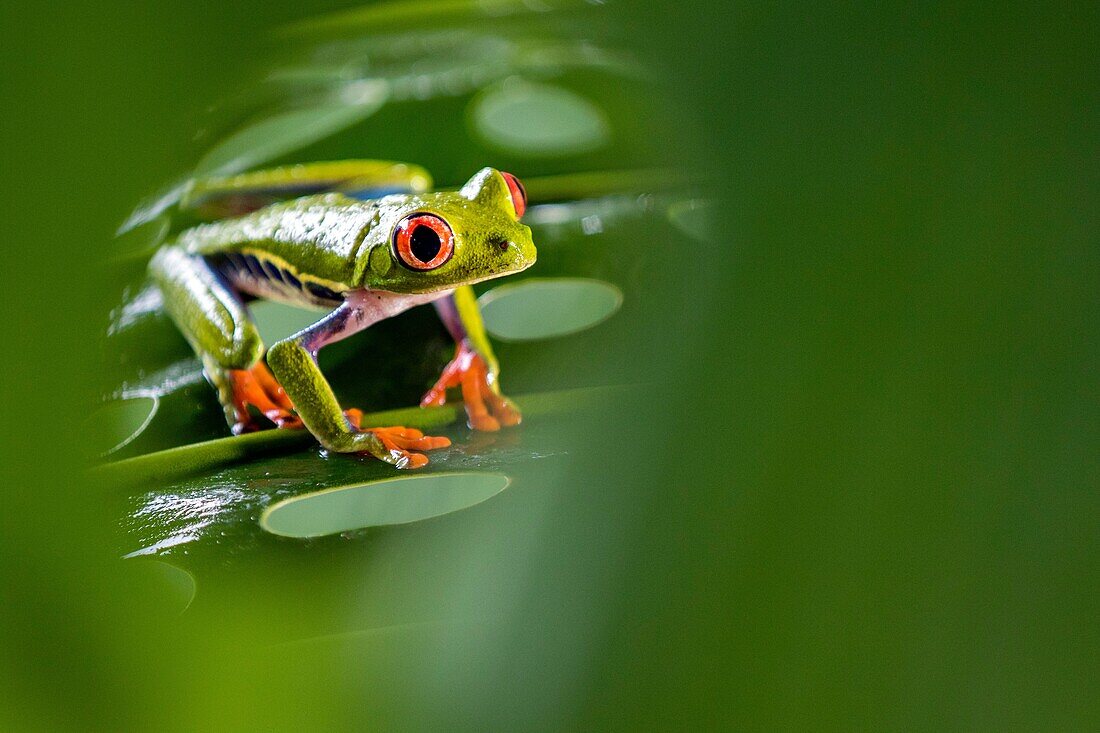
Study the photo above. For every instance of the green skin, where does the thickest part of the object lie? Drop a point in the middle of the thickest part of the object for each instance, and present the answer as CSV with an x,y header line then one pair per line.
x,y
345,247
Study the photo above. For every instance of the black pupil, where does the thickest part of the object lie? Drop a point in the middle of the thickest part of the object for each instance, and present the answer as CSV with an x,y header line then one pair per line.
x,y
425,243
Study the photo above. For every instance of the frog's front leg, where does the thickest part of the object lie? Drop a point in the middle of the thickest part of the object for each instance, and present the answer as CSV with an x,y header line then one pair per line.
x,y
474,368
294,361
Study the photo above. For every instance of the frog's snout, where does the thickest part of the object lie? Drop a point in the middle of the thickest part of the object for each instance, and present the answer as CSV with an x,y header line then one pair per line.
x,y
518,255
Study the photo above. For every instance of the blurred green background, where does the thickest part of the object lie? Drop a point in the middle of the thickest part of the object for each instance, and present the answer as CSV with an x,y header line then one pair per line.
x,y
854,485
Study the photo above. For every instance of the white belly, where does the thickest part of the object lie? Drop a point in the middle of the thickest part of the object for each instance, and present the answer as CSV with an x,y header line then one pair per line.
x,y
378,305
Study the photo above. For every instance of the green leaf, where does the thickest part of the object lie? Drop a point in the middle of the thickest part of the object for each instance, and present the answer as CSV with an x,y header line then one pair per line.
x,y
286,132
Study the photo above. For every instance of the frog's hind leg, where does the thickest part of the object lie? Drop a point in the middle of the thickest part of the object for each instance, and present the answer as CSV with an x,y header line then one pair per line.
x,y
213,318
219,197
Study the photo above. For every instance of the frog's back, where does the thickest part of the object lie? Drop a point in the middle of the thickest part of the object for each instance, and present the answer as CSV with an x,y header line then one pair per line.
x,y
318,236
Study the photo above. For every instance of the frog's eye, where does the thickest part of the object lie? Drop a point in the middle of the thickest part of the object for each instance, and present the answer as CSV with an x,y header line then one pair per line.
x,y
423,241
518,192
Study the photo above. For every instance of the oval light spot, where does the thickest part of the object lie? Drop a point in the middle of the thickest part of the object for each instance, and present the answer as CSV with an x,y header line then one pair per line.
x,y
380,503
541,308
118,422
538,120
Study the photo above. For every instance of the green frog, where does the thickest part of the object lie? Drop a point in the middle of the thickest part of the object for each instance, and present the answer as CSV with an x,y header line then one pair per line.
x,y
362,241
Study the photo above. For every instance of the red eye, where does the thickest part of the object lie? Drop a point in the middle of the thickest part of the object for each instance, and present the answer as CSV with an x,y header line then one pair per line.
x,y
519,194
423,241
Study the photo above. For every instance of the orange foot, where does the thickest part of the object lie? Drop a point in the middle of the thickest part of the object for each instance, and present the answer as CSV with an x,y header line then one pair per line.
x,y
259,388
486,408
401,442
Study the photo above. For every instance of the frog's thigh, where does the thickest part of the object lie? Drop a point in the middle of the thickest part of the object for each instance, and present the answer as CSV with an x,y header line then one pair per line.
x,y
209,313
219,196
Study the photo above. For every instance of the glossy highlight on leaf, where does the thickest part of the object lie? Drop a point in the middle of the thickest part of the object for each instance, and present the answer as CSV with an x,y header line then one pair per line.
x,y
185,460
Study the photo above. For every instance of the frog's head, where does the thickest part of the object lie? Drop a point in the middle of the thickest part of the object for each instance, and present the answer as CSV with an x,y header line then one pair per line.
x,y
440,241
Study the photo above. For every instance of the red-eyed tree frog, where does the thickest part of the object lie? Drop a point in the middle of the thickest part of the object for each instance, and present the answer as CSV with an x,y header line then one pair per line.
x,y
375,243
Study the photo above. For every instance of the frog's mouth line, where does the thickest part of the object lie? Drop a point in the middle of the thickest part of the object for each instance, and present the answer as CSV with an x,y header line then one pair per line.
x,y
519,265
510,270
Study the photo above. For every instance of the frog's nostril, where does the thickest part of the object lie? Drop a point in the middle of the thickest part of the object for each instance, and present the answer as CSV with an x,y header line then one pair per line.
x,y
504,245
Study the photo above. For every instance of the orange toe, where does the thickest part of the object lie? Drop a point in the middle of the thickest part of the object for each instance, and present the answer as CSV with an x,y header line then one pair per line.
x,y
486,408
284,419
402,444
354,416
484,422
430,442
258,388
412,460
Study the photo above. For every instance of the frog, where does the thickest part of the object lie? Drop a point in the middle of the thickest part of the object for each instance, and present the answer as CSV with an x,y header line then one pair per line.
x,y
359,241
